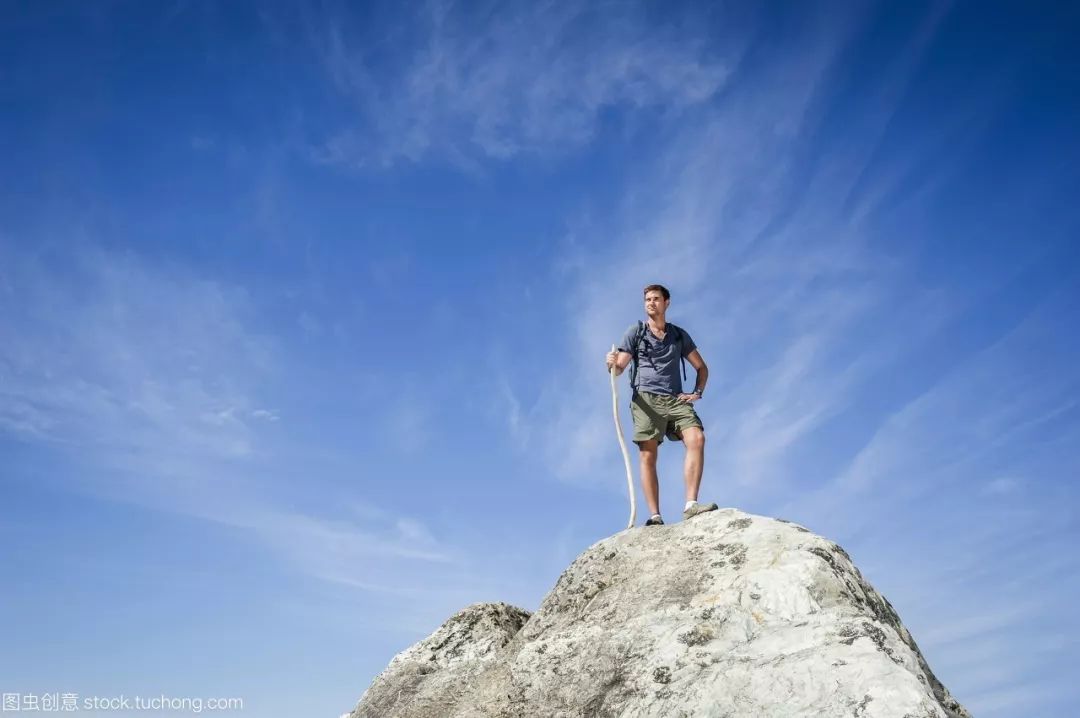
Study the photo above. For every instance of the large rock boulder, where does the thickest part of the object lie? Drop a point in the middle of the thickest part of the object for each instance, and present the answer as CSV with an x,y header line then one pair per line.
x,y
727,614
433,675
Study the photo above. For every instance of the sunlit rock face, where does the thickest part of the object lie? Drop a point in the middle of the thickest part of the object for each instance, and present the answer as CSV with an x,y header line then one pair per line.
x,y
727,614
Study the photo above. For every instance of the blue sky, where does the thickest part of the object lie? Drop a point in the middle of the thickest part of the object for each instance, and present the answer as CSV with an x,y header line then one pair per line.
x,y
303,311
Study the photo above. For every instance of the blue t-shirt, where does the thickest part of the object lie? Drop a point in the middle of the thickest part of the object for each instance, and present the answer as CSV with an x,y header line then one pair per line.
x,y
658,369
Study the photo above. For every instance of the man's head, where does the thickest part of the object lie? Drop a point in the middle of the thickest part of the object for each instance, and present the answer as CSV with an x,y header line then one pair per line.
x,y
657,299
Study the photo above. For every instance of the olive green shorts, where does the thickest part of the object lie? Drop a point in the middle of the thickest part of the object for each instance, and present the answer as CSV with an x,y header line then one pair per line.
x,y
660,415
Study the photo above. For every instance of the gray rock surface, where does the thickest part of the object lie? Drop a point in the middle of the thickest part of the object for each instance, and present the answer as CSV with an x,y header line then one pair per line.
x,y
728,614
433,675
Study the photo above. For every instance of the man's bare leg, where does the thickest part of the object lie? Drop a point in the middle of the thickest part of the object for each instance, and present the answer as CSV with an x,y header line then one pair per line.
x,y
649,483
694,463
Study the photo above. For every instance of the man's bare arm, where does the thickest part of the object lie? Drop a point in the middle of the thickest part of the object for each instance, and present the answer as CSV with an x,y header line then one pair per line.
x,y
620,360
698,363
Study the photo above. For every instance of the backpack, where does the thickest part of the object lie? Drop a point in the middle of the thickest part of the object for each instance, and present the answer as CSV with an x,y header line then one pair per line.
x,y
637,342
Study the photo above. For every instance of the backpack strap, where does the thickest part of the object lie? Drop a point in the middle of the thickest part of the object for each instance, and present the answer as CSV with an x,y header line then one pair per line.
x,y
634,353
679,340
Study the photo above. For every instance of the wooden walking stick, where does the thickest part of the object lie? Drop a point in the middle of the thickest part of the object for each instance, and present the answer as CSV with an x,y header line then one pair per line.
x,y
622,445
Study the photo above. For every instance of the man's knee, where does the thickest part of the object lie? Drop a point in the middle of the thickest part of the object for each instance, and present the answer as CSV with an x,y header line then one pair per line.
x,y
648,450
693,438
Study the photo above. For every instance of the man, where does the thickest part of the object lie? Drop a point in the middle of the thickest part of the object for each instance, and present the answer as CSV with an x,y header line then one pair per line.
x,y
659,406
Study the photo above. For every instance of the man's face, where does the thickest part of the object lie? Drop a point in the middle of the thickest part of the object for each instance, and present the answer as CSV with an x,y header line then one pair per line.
x,y
655,304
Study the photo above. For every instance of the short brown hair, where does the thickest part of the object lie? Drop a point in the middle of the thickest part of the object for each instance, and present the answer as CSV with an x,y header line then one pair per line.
x,y
657,288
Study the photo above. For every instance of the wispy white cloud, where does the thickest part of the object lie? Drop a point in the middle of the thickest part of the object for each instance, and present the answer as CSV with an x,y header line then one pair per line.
x,y
152,381
996,399
337,550
467,82
106,355
201,143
